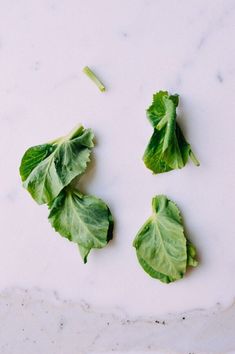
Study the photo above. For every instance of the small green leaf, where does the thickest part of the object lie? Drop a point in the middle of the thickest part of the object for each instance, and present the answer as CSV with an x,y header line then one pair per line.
x,y
161,246
83,219
46,169
167,149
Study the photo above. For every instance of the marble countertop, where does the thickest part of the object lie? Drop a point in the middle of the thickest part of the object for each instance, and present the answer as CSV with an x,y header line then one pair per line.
x,y
137,47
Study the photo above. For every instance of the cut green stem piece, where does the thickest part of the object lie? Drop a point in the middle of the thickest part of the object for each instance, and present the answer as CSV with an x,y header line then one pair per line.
x,y
193,158
72,134
94,78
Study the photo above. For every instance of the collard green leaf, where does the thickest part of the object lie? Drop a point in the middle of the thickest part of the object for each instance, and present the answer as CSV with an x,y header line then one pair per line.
x,y
167,149
161,246
46,169
83,219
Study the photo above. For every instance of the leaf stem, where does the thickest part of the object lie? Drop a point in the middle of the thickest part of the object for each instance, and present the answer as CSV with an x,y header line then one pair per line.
x,y
94,78
162,122
75,132
193,158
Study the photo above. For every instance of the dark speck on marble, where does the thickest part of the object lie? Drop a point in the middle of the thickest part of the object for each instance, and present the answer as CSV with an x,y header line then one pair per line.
x,y
61,325
219,78
160,322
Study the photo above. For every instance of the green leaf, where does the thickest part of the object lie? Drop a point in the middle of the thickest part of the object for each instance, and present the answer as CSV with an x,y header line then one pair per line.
x,y
161,246
46,169
167,149
83,219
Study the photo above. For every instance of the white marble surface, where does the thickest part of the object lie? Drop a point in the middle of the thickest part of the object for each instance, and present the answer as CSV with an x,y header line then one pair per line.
x,y
137,47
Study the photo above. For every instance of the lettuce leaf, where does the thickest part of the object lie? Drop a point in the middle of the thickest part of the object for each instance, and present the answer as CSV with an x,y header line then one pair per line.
x,y
161,246
83,219
167,149
46,169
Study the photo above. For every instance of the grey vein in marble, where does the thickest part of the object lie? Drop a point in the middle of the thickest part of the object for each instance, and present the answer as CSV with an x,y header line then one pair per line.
x,y
59,325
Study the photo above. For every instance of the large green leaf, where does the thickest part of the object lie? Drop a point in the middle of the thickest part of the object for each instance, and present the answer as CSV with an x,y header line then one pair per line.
x,y
83,219
167,149
161,246
46,169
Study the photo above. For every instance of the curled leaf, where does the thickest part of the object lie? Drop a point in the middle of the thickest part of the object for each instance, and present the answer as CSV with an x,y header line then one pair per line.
x,y
167,149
